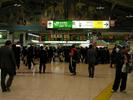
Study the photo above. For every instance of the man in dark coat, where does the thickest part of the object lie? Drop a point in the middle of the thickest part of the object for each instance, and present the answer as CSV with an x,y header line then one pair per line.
x,y
43,60
91,57
30,56
7,65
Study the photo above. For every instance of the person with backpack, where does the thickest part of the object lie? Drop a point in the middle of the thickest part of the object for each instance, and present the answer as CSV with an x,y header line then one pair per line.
x,y
73,59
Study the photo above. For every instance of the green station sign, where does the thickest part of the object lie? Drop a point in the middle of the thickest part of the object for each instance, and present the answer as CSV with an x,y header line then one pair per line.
x,y
60,24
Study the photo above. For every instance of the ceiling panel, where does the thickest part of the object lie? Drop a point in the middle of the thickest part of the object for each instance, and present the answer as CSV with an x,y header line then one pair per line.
x,y
128,3
31,9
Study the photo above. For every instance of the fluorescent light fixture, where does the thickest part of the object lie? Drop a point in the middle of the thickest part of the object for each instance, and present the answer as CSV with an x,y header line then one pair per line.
x,y
129,16
17,5
68,42
41,44
35,41
100,8
18,45
33,35
3,30
0,36
85,45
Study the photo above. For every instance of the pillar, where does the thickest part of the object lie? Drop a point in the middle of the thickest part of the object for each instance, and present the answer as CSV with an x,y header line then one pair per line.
x,y
10,36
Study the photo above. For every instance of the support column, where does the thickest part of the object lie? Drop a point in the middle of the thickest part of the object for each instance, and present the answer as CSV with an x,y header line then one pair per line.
x,y
24,39
10,36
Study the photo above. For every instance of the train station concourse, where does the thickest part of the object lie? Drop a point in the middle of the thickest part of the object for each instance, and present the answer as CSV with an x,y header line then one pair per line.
x,y
66,49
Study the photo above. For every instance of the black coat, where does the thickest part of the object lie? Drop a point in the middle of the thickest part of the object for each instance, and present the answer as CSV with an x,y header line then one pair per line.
x,y
91,56
43,56
7,59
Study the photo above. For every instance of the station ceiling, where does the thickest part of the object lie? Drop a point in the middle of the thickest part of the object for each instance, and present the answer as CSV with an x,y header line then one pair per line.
x,y
13,11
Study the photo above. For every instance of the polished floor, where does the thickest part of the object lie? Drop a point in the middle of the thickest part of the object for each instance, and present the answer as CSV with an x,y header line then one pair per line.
x,y
58,84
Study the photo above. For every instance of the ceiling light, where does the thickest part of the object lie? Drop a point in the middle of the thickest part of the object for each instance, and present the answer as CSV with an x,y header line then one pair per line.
x,y
33,35
17,5
129,16
0,36
100,8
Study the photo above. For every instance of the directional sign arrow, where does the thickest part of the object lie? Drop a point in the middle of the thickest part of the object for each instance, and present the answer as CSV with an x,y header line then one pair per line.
x,y
106,24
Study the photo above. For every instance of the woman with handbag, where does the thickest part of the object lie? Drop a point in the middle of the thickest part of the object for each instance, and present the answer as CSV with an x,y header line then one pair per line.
x,y
121,77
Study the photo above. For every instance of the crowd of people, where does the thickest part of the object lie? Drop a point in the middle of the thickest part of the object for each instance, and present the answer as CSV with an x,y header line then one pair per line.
x,y
61,54
10,56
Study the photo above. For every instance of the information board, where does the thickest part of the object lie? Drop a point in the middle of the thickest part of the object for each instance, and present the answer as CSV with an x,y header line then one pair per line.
x,y
76,24
59,24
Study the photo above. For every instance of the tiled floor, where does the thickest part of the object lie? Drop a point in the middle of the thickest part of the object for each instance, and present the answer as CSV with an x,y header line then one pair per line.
x,y
58,84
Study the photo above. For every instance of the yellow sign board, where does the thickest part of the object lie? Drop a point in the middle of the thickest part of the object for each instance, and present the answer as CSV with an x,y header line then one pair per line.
x,y
97,24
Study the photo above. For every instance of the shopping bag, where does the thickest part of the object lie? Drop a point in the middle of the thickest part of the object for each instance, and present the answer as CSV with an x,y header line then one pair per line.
x,y
126,68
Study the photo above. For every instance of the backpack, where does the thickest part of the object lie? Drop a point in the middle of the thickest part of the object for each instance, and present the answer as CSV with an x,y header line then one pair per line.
x,y
76,56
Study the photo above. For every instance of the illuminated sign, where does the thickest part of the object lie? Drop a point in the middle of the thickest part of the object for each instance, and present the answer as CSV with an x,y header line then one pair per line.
x,y
59,24
82,24
91,24
75,24
100,24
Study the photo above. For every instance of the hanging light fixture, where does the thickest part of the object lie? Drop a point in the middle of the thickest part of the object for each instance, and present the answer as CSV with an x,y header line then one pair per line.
x,y
17,5
100,5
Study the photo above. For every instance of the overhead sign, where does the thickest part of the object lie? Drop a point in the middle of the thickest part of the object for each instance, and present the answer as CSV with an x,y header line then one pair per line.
x,y
100,24
59,24
82,24
91,24
75,24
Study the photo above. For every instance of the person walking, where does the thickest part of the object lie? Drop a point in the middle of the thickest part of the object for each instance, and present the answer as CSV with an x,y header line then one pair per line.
x,y
122,57
91,57
73,60
7,65
30,56
43,60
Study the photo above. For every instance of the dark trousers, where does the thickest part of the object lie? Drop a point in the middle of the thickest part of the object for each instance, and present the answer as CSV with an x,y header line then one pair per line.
x,y
18,62
6,84
120,80
72,66
82,59
91,69
29,62
42,66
